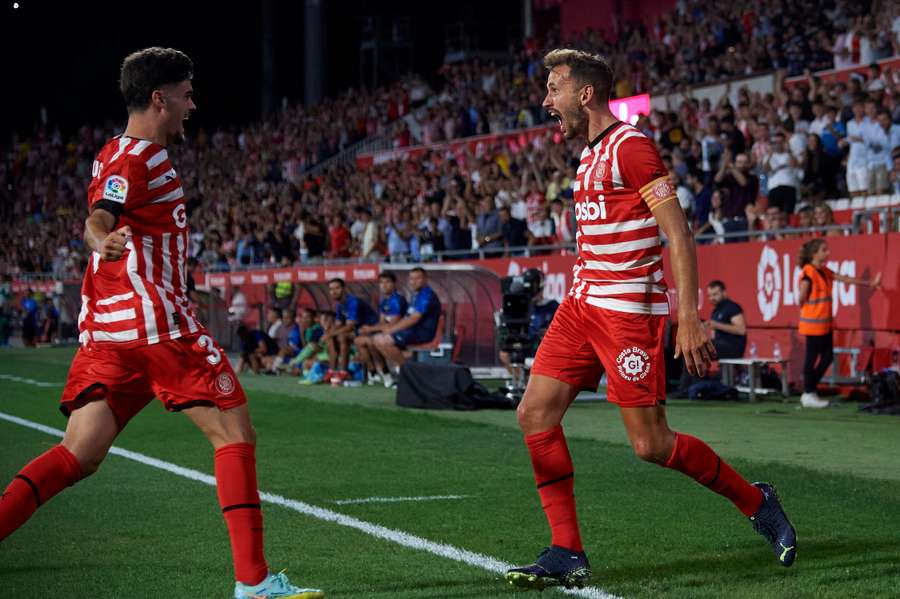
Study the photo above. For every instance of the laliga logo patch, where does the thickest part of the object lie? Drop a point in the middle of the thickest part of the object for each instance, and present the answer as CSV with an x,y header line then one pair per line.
x,y
768,282
663,189
224,383
115,188
633,364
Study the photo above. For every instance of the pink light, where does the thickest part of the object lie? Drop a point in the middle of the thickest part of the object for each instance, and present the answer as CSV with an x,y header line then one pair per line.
x,y
628,109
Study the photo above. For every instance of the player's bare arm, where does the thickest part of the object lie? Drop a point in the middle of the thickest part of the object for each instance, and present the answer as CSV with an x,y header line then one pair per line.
x,y
692,341
100,236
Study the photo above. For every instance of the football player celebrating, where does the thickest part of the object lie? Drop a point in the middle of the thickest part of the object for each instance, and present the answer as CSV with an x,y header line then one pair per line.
x,y
139,337
613,319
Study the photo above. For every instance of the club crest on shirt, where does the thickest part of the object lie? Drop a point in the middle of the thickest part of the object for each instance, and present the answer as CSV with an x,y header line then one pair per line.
x,y
115,188
633,364
600,171
663,189
224,383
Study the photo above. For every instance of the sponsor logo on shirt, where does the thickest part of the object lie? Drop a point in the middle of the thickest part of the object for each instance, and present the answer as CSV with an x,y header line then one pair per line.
x,y
633,364
115,188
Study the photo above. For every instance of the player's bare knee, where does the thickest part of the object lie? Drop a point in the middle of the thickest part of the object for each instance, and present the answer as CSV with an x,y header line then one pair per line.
x,y
536,417
89,458
650,449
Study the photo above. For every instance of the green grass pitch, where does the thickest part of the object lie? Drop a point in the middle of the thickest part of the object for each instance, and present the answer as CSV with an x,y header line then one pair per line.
x,y
133,531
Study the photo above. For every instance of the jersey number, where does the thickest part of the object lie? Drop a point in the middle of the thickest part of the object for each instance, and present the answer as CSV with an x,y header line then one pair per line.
x,y
180,216
206,342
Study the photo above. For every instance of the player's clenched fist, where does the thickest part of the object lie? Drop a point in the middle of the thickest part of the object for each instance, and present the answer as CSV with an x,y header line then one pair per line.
x,y
113,245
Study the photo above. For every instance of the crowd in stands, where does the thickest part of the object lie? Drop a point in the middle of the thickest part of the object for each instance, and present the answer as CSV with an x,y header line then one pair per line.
x,y
753,163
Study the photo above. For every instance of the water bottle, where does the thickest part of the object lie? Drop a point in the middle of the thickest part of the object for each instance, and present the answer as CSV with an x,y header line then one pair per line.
x,y
776,351
753,349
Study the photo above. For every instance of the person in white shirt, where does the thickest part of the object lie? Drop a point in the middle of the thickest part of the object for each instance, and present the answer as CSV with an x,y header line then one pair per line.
x,y
821,122
782,173
879,138
858,159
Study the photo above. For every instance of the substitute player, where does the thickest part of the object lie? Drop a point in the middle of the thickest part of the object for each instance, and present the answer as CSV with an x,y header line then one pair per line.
x,y
139,338
613,319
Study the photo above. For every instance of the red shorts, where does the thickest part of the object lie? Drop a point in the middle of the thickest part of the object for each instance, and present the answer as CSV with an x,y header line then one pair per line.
x,y
584,340
183,373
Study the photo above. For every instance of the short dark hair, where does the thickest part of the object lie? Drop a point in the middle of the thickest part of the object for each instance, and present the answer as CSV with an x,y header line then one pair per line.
x,y
327,313
389,276
716,284
149,69
419,269
338,281
586,68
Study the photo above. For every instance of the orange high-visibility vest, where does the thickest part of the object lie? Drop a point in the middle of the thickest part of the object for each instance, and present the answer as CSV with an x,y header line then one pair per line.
x,y
815,314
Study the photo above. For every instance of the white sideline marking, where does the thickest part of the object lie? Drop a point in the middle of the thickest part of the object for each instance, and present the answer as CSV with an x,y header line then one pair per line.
x,y
398,499
18,379
471,558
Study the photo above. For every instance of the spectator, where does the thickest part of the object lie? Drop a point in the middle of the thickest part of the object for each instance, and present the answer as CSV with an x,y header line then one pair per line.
x,y
514,231
702,195
881,137
712,149
490,234
743,190
781,172
773,221
818,172
368,239
418,326
858,158
805,218
339,238
895,173
563,222
824,217
401,237
314,238
715,223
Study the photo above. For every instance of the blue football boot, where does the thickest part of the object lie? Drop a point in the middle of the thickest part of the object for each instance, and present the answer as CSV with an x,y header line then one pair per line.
x,y
555,566
771,522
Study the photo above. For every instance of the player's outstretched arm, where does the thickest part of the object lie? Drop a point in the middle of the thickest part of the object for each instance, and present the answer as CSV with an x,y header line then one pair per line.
x,y
692,340
100,237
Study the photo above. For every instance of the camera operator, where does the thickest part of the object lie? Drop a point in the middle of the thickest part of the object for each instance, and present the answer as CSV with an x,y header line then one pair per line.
x,y
540,314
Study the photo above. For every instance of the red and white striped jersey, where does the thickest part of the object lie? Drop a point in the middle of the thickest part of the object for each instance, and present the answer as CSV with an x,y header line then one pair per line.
x,y
141,298
619,267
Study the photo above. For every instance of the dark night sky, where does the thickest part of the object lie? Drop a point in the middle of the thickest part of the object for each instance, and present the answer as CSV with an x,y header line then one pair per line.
x,y
65,56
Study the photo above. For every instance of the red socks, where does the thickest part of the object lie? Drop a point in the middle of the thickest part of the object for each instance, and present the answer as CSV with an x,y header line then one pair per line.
x,y
696,459
555,480
44,477
239,498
